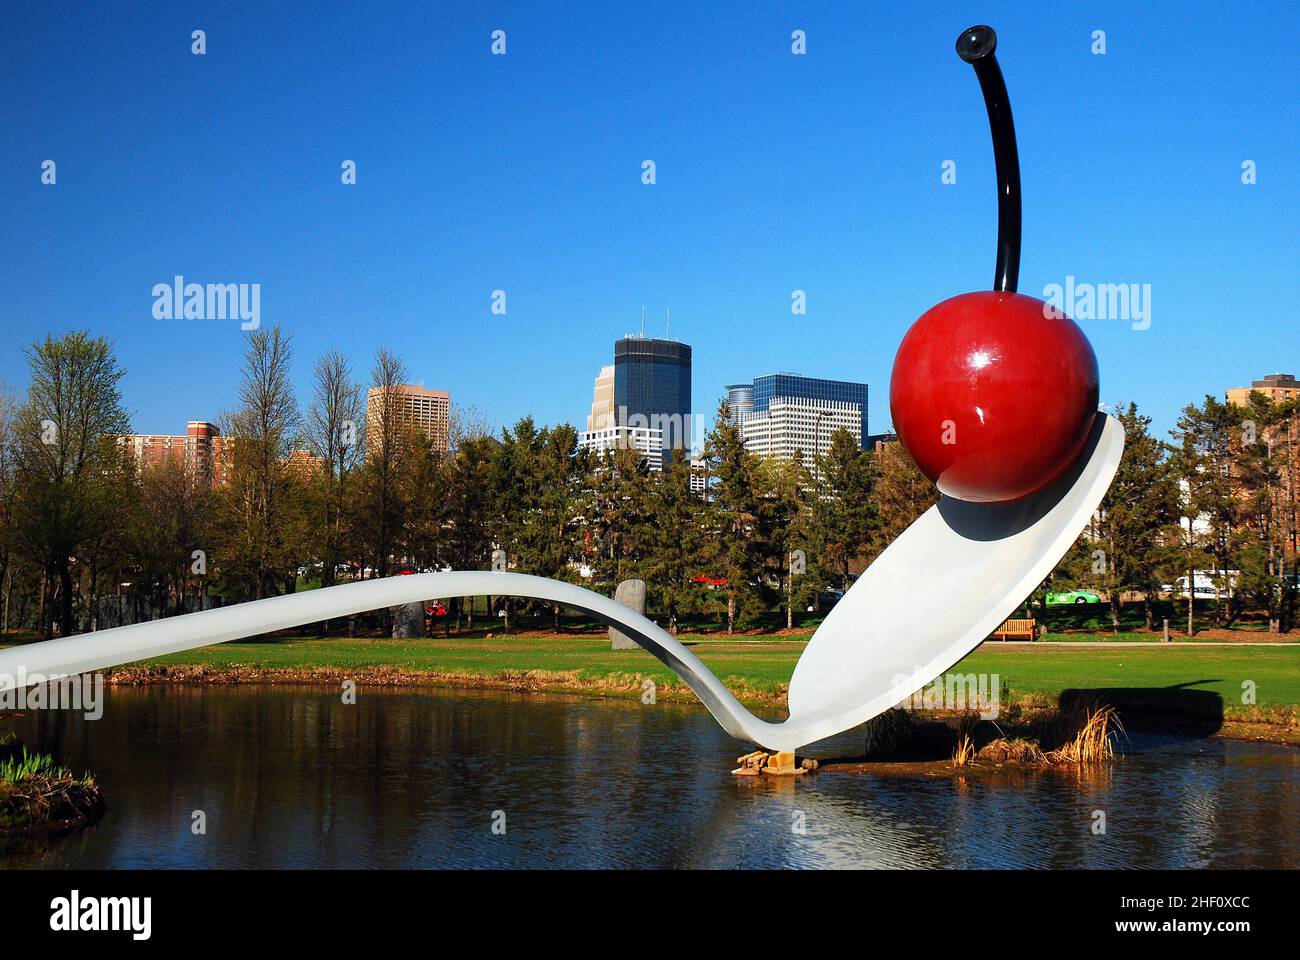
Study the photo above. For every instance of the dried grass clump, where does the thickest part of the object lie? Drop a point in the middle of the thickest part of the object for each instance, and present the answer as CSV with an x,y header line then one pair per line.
x,y
1015,750
1093,743
963,755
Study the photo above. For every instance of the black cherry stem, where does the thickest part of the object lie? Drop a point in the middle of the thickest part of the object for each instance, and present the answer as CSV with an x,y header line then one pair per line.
x,y
977,46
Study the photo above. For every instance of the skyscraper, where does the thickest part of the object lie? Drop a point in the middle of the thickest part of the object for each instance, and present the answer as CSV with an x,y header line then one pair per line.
x,y
602,401
428,411
792,425
740,400
652,388
791,386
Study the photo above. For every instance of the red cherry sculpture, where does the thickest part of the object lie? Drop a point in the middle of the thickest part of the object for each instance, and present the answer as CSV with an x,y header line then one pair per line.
x,y
992,395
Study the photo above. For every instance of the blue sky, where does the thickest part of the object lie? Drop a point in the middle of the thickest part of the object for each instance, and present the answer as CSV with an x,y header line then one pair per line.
x,y
523,173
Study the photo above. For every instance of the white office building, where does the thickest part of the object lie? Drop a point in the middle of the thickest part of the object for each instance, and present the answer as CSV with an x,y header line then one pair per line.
x,y
796,424
649,440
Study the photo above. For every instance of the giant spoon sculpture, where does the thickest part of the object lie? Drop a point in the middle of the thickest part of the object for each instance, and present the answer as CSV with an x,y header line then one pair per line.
x,y
995,398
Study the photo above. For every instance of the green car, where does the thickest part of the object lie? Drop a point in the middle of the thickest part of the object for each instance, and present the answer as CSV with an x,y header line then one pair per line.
x,y
1072,596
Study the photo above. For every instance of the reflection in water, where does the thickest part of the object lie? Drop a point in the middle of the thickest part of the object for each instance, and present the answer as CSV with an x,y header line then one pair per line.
x,y
292,777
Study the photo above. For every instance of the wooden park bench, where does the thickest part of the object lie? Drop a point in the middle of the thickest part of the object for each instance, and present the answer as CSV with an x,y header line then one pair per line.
x,y
1016,629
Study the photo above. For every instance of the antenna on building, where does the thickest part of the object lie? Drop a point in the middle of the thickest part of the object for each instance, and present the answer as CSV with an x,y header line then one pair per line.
x,y
668,326
643,321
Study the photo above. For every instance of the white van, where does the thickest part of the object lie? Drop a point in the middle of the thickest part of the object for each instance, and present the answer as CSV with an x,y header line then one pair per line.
x,y
1204,585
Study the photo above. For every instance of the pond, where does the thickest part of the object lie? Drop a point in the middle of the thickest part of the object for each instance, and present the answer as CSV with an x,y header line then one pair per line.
x,y
294,777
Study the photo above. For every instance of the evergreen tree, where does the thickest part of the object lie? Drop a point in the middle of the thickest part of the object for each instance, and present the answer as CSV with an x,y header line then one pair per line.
x,y
1137,528
844,505
741,544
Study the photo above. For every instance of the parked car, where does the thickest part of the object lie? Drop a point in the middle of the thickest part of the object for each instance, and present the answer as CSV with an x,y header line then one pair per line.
x,y
1072,596
1208,585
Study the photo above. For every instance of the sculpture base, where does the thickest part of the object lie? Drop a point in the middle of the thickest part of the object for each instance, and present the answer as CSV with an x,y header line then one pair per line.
x,y
780,764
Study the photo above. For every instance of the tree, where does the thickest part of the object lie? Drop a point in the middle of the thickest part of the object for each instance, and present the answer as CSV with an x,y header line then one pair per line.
x,y
333,432
65,445
113,501
902,493
1137,527
617,531
670,541
545,538
382,501
845,512
741,546
174,521
467,536
513,485
1265,518
1202,461
260,518
11,554
784,483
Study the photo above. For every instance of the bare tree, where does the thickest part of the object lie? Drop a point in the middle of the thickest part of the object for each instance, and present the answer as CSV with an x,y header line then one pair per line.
x,y
333,431
261,515
387,444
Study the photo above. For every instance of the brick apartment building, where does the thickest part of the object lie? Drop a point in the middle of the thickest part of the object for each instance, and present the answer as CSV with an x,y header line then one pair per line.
x,y
204,453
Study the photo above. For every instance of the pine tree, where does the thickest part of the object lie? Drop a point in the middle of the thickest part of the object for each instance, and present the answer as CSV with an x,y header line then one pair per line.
x,y
739,521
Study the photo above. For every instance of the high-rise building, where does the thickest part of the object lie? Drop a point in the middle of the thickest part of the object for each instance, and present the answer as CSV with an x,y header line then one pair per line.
x,y
428,411
1278,387
740,400
1282,439
602,401
202,451
652,388
790,425
791,386
648,440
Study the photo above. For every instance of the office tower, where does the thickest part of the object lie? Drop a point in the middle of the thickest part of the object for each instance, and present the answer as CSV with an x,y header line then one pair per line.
x,y
792,424
740,400
648,440
602,401
652,388
791,386
428,411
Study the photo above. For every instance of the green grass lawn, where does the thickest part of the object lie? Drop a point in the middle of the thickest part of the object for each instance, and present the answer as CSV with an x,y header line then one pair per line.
x,y
763,665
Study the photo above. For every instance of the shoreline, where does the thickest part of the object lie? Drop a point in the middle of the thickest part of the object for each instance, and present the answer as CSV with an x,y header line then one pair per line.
x,y
1282,730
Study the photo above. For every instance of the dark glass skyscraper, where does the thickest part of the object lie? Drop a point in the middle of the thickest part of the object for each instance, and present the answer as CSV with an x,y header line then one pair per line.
x,y
793,386
652,387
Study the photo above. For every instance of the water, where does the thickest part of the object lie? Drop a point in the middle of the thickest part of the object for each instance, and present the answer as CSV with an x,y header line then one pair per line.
x,y
292,777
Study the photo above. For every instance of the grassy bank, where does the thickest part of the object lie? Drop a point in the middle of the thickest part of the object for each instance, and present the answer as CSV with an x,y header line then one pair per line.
x,y
37,794
757,669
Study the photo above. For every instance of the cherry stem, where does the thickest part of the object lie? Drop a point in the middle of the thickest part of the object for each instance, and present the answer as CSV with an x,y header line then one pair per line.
x,y
977,46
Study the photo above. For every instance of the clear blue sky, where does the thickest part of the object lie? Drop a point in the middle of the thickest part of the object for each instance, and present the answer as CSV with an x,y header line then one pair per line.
x,y
523,172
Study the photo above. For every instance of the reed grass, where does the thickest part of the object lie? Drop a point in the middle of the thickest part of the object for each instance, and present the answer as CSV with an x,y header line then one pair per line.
x,y
1094,741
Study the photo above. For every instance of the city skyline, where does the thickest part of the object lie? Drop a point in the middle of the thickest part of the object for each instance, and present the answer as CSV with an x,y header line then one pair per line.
x,y
505,193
